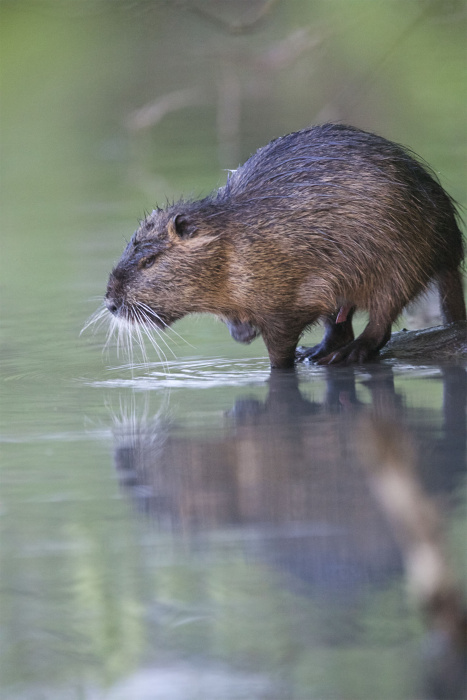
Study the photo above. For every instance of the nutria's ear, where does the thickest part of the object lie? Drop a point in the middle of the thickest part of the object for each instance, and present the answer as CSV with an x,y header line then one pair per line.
x,y
181,226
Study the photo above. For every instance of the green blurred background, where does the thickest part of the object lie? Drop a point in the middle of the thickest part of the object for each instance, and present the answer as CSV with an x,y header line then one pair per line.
x,y
111,106
107,108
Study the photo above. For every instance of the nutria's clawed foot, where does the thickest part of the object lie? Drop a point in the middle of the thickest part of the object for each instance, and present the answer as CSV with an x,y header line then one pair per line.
x,y
303,354
356,352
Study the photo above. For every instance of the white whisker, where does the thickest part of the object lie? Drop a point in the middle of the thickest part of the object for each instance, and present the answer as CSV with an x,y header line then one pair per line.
x,y
133,326
139,336
156,346
97,319
169,328
147,325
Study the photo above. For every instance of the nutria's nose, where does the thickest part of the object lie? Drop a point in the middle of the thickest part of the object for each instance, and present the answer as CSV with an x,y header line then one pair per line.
x,y
111,305
113,297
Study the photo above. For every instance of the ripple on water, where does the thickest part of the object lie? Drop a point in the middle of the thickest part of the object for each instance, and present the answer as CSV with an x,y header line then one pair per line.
x,y
215,372
189,373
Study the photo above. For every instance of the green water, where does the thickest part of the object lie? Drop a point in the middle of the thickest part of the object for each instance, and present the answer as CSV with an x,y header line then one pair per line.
x,y
194,529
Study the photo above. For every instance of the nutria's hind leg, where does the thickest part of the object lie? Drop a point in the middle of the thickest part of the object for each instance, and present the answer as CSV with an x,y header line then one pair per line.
x,y
451,295
363,348
337,333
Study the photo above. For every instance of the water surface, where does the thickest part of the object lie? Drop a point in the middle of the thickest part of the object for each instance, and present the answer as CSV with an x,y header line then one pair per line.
x,y
195,527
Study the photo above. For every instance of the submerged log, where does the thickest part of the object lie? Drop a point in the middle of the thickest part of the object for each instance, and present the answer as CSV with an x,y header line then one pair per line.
x,y
430,344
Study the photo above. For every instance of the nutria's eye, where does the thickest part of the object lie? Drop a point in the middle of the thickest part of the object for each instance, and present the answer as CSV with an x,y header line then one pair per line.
x,y
144,263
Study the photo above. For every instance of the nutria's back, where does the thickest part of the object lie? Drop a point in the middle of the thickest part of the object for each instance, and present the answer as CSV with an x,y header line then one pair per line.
x,y
349,193
313,225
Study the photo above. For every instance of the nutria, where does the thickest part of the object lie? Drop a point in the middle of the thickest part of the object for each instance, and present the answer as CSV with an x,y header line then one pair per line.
x,y
315,225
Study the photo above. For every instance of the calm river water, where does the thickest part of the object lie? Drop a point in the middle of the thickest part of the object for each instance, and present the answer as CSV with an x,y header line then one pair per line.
x,y
204,529
193,528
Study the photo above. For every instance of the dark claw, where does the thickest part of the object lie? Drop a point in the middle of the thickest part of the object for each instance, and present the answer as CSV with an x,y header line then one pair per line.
x,y
356,352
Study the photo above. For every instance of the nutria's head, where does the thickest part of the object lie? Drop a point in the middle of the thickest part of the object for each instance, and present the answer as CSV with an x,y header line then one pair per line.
x,y
172,266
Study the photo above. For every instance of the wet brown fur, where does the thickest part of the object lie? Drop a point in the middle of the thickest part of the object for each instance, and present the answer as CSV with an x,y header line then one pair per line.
x,y
326,218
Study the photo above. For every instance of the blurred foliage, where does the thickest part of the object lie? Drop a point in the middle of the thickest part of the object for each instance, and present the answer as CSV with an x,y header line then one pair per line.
x,y
107,108
111,107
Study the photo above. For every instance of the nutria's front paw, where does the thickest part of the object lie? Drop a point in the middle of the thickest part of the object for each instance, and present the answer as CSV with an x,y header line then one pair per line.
x,y
303,354
242,332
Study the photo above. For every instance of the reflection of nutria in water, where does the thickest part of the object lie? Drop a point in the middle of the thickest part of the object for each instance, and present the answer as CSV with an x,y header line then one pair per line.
x,y
324,495
314,225
312,517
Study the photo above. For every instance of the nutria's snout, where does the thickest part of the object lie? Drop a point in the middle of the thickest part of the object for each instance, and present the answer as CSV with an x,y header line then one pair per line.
x,y
112,302
130,310
111,305
114,298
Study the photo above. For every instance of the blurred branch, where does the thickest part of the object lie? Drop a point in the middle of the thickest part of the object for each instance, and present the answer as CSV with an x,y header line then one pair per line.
x,y
153,112
242,25
285,52
355,89
390,459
